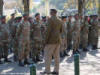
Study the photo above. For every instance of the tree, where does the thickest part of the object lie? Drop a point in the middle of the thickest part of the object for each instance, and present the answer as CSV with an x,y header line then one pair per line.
x,y
1,7
26,4
81,5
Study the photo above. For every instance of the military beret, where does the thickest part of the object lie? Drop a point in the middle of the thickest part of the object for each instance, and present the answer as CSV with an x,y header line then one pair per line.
x,y
25,15
64,16
53,10
37,14
43,17
18,18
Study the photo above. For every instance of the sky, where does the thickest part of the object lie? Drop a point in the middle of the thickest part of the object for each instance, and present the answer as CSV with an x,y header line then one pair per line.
x,y
36,0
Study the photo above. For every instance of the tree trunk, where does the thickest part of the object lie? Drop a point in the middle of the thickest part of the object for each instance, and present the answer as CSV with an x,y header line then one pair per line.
x,y
81,7
99,8
26,6
1,7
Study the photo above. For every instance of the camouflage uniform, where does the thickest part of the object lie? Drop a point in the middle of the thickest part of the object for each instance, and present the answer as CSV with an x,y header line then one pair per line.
x,y
94,33
4,39
90,32
76,34
84,35
69,34
37,39
15,40
11,26
43,32
64,38
23,34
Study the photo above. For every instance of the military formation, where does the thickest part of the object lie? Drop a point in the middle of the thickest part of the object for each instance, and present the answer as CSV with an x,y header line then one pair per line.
x,y
27,37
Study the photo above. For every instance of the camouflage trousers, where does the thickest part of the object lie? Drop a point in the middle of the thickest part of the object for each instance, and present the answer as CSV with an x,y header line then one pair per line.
x,y
63,45
84,40
15,47
76,42
69,39
36,47
4,50
24,49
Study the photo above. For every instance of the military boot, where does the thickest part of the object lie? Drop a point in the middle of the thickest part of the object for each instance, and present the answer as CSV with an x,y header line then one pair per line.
x,y
6,60
94,47
26,62
21,63
85,49
1,62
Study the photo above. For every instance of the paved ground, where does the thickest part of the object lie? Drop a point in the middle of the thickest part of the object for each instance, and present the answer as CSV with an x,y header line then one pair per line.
x,y
89,65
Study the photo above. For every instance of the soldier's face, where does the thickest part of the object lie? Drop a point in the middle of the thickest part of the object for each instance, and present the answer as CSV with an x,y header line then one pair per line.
x,y
64,19
26,17
38,17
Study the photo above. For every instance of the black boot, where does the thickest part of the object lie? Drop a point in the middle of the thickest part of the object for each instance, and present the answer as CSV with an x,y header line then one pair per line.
x,y
94,47
6,60
34,60
21,63
85,49
15,58
65,54
1,62
61,54
76,52
26,62
38,59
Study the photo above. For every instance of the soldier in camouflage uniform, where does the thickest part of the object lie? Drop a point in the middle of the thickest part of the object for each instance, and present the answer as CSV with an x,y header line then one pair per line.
x,y
84,34
64,37
95,32
37,38
4,38
76,34
23,33
90,30
43,30
15,43
69,33
11,25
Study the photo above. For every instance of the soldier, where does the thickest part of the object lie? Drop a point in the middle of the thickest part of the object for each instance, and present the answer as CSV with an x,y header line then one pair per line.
x,y
90,30
94,32
43,29
15,43
11,22
64,37
52,42
4,38
84,34
23,34
37,38
76,34
69,33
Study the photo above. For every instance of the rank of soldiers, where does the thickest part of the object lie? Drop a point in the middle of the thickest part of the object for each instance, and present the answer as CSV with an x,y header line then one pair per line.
x,y
26,36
